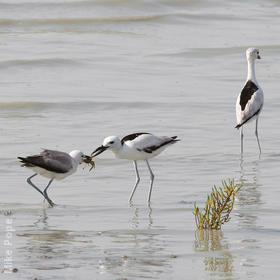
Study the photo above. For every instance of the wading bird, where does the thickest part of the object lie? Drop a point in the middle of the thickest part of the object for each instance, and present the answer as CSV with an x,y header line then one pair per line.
x,y
250,101
53,165
137,146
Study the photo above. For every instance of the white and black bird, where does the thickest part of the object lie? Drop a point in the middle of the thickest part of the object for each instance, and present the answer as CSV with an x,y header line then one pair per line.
x,y
53,165
137,146
250,101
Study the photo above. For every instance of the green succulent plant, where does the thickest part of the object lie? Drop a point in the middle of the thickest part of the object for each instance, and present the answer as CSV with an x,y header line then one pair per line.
x,y
217,207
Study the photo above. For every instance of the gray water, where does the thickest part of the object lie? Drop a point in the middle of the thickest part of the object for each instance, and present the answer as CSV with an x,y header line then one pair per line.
x,y
74,72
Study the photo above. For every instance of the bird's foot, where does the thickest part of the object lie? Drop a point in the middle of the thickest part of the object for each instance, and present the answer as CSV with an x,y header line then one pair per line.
x,y
51,203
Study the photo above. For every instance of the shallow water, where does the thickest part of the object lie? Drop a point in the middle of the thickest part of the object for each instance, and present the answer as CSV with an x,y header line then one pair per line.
x,y
73,72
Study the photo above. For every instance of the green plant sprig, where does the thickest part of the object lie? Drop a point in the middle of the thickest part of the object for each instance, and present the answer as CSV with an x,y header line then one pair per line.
x,y
217,207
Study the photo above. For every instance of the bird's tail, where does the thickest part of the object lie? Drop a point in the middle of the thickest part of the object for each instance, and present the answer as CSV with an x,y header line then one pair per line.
x,y
175,139
239,125
25,162
21,159
255,114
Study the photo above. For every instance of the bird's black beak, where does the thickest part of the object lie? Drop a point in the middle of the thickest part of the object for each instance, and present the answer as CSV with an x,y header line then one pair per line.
x,y
98,151
258,57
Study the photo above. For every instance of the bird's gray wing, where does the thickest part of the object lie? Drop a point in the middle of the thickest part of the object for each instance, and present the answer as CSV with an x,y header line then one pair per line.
x,y
54,161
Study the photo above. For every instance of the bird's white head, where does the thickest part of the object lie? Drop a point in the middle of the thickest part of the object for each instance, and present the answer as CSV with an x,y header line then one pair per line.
x,y
109,143
112,142
77,156
252,54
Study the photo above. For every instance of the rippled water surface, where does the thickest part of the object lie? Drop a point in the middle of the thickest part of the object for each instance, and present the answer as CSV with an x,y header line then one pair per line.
x,y
73,72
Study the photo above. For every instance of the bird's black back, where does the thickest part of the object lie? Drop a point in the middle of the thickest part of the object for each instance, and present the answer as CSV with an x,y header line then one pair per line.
x,y
249,89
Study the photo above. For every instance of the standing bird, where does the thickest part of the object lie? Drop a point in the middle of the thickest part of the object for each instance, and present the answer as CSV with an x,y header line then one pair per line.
x,y
53,165
250,101
137,146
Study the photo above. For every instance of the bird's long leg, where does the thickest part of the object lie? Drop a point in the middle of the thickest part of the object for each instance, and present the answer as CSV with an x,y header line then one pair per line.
x,y
152,181
31,184
137,180
241,136
46,194
256,133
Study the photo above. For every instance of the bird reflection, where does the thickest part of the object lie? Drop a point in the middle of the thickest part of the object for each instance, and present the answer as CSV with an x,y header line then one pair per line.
x,y
42,222
219,258
136,252
40,230
249,197
42,242
135,219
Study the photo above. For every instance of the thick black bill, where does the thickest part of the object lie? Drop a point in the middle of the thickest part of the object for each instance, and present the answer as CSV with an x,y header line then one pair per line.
x,y
98,151
259,57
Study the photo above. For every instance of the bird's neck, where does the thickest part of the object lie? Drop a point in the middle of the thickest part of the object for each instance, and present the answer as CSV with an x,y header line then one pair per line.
x,y
75,162
118,151
251,71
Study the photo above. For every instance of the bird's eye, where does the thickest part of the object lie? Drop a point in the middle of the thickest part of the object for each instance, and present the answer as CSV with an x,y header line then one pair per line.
x,y
111,142
258,52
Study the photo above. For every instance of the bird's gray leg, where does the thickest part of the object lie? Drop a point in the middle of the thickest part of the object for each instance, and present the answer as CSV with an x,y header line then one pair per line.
x,y
256,133
241,136
31,184
152,181
46,194
137,180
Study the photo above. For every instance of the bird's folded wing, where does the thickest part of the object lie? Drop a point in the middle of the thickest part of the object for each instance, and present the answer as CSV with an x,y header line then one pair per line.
x,y
251,108
149,143
50,160
133,136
